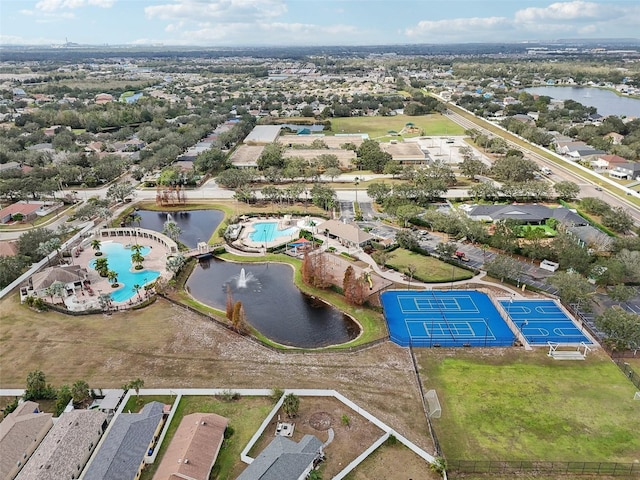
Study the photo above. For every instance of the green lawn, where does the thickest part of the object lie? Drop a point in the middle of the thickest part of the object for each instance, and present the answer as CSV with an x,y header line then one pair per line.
x,y
550,232
428,269
244,415
518,405
378,127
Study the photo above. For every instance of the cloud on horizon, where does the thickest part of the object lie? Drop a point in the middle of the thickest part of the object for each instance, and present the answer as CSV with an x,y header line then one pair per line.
x,y
565,19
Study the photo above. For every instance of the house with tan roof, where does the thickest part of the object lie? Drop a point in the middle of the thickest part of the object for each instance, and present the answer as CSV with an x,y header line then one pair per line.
x,y
194,448
67,447
347,233
20,434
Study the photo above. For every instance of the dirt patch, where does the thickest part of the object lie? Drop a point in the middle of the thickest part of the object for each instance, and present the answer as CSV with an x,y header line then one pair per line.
x,y
393,462
321,421
169,347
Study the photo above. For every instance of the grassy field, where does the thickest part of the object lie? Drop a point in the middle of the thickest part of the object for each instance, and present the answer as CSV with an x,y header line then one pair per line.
x,y
379,127
517,405
428,269
244,415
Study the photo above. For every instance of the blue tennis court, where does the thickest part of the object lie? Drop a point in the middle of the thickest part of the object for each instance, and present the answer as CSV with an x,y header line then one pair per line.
x,y
542,321
444,319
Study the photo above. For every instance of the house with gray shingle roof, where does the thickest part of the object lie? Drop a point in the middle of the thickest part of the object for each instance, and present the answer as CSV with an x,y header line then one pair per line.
x,y
526,214
284,459
20,434
67,447
131,436
348,233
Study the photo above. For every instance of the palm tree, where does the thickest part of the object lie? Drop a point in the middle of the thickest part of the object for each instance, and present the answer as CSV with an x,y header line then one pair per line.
x,y
137,258
136,218
136,384
57,289
290,405
95,244
113,278
80,392
102,266
136,288
172,230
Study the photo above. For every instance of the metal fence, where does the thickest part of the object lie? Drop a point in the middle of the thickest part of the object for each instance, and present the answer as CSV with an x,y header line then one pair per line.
x,y
628,372
559,468
483,341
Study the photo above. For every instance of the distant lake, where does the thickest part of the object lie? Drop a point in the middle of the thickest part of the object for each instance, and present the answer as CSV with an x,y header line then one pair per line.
x,y
607,102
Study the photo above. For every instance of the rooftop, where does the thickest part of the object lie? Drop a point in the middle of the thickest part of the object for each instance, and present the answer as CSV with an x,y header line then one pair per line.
x,y
65,450
262,134
126,444
194,448
18,433
283,459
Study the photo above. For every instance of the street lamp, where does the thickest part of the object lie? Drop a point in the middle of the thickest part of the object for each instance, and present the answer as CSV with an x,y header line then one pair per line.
x,y
356,181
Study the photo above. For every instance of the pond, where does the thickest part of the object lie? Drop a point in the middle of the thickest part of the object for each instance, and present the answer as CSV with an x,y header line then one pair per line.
x,y
196,225
272,303
606,101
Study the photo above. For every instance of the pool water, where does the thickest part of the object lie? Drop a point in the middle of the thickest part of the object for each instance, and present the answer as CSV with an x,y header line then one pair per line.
x,y
268,232
119,260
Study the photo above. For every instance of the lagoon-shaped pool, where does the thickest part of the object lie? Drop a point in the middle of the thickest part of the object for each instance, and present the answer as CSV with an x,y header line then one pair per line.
x,y
119,260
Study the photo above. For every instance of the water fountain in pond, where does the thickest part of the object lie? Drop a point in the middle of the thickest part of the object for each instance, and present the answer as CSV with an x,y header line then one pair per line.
x,y
243,278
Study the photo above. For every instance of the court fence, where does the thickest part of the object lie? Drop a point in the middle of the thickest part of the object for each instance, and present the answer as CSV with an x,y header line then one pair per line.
x,y
482,341
558,468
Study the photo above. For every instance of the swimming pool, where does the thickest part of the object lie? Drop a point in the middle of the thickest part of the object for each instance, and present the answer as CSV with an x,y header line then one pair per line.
x,y
268,232
119,260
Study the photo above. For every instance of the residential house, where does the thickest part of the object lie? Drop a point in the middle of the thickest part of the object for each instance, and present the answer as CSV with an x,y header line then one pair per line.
x,y
627,171
586,153
129,440
608,161
615,137
23,210
285,459
8,248
348,234
566,147
194,448
67,447
20,434
9,166
524,214
103,98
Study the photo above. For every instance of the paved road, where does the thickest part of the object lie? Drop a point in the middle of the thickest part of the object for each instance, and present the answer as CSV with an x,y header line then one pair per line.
x,y
560,173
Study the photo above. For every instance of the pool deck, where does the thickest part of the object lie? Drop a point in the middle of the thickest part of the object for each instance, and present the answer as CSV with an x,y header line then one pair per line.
x,y
84,300
283,224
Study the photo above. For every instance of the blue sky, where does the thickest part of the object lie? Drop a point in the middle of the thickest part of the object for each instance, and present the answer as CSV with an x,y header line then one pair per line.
x,y
311,22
